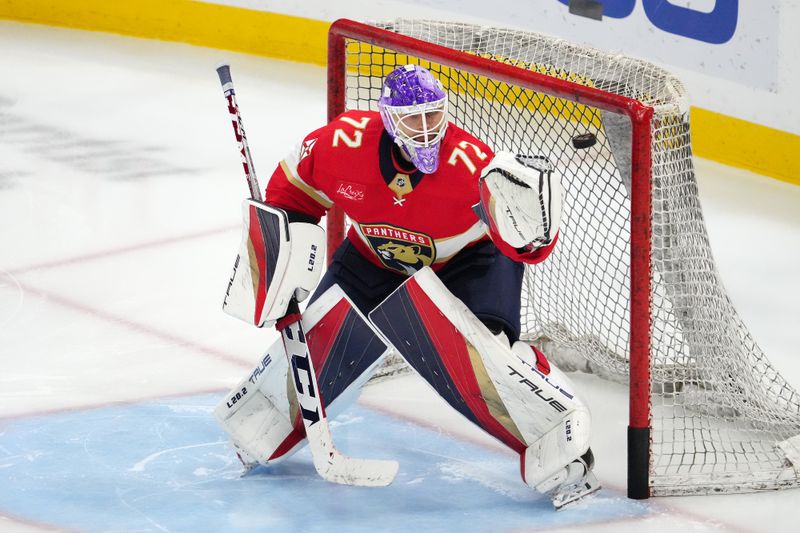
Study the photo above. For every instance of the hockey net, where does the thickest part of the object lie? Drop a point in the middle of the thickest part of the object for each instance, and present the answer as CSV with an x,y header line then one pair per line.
x,y
719,417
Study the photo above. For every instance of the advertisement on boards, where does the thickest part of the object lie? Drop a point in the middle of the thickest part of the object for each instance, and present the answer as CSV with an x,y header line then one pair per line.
x,y
729,39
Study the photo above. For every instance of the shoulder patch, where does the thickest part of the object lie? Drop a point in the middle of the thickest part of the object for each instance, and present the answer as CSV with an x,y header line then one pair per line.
x,y
305,149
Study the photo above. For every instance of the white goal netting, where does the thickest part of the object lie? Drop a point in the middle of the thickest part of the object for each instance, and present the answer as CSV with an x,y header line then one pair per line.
x,y
720,413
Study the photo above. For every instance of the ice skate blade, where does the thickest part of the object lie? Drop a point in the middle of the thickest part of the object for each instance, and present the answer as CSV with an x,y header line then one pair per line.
x,y
247,466
570,494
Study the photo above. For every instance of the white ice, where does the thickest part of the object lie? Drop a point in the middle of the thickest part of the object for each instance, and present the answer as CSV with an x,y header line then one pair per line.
x,y
119,217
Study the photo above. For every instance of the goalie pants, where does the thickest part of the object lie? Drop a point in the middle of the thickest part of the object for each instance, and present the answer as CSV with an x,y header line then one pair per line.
x,y
488,282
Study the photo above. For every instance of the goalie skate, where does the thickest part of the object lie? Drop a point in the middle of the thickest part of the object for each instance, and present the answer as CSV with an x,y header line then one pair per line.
x,y
572,483
248,464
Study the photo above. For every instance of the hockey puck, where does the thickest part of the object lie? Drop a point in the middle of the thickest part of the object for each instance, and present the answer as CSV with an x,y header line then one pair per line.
x,y
584,140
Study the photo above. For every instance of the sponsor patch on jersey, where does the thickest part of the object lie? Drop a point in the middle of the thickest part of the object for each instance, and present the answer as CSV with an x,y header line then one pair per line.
x,y
399,249
350,191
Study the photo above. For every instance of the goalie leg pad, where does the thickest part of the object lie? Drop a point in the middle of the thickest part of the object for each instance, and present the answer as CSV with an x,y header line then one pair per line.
x,y
504,391
261,414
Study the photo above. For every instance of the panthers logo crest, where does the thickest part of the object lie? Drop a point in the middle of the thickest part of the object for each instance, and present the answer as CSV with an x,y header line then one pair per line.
x,y
399,249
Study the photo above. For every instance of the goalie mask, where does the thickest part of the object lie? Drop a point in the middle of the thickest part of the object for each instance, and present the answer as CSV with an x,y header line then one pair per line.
x,y
413,107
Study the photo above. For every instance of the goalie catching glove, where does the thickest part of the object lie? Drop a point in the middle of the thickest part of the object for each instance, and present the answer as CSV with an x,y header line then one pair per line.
x,y
521,197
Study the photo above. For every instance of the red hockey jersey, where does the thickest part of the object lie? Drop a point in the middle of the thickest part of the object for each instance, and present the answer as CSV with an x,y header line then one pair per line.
x,y
402,219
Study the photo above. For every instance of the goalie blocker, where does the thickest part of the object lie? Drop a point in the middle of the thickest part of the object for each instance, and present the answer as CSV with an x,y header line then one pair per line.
x,y
276,260
512,393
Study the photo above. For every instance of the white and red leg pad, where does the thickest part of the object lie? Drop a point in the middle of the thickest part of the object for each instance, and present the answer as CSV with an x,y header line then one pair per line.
x,y
566,441
501,390
261,413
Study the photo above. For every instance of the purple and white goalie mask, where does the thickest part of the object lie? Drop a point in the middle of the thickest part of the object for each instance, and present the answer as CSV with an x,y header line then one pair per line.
x,y
413,107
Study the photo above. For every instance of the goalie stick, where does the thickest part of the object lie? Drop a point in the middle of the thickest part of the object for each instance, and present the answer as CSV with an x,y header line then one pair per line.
x,y
328,461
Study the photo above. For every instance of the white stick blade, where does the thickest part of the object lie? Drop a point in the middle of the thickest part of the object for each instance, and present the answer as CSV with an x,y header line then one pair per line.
x,y
336,467
360,472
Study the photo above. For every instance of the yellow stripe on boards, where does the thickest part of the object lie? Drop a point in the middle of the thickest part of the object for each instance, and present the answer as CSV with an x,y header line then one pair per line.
x,y
215,26
738,143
